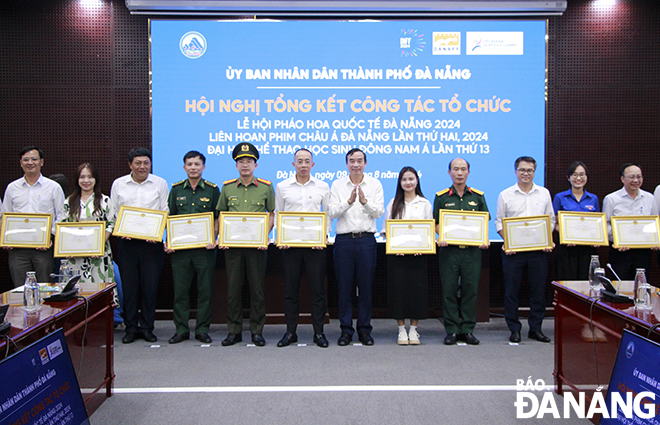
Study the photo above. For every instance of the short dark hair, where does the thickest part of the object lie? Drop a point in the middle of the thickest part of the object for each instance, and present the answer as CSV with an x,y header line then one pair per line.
x,y
304,150
623,167
194,154
31,148
571,168
525,159
135,152
466,161
355,150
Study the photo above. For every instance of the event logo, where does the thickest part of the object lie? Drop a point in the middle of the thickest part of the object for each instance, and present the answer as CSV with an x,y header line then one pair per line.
x,y
192,45
411,43
55,349
446,43
630,349
494,43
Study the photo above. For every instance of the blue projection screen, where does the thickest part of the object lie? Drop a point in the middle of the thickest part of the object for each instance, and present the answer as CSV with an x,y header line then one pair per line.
x,y
416,93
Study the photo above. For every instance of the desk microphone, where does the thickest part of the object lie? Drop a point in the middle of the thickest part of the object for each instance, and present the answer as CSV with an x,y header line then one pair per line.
x,y
610,293
609,266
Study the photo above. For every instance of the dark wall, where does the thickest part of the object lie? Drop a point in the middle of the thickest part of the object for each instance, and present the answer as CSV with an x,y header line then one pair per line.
x,y
74,80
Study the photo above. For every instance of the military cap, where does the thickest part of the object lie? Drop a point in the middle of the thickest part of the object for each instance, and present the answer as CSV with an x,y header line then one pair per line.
x,y
245,150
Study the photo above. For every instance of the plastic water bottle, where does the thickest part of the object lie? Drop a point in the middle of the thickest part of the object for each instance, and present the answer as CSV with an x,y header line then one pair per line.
x,y
31,295
642,291
593,279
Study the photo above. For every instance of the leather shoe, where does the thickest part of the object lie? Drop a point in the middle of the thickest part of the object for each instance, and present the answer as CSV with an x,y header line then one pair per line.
x,y
469,339
148,336
344,339
129,338
365,338
538,335
204,338
258,340
321,340
451,339
232,339
177,338
287,339
515,336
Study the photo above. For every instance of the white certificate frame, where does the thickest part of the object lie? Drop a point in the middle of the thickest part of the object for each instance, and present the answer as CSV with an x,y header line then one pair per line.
x,y
66,234
449,220
256,219
16,227
289,221
512,226
400,232
595,220
129,218
622,226
179,235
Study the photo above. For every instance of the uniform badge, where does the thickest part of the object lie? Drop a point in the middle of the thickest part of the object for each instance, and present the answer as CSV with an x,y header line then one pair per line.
x,y
453,204
204,199
245,148
180,198
233,198
473,203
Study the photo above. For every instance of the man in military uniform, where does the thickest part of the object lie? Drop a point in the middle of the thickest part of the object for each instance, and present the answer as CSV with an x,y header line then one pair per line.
x,y
246,194
459,262
192,196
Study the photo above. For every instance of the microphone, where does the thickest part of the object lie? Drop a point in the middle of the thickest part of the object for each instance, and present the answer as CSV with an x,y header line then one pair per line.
x,y
609,266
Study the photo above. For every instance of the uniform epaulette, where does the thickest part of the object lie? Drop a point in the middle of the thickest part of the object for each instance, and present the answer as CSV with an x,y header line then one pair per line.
x,y
477,191
226,182
442,192
210,184
178,183
264,181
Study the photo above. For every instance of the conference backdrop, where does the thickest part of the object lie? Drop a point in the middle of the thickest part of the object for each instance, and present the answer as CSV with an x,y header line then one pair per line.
x,y
416,93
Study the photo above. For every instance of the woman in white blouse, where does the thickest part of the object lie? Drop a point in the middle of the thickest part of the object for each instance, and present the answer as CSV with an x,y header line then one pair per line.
x,y
407,275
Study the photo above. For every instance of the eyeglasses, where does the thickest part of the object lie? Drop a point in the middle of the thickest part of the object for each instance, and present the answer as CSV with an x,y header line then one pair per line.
x,y
27,159
633,177
576,175
525,170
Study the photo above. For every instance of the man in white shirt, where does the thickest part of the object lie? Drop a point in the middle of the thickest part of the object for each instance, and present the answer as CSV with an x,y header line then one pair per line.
x,y
303,193
521,200
629,200
357,201
140,262
33,194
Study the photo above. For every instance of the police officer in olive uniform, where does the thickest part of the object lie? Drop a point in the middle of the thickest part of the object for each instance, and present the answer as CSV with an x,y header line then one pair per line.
x,y
191,196
459,261
246,194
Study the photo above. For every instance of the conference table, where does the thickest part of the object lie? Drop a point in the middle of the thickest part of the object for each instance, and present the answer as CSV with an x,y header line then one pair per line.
x,y
584,359
88,328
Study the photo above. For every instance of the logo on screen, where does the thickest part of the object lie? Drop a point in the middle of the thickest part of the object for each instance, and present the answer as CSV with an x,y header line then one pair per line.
x,y
446,43
630,349
411,43
55,349
192,45
43,355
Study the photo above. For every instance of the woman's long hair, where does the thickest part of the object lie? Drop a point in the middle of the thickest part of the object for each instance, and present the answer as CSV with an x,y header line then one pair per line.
x,y
74,199
399,199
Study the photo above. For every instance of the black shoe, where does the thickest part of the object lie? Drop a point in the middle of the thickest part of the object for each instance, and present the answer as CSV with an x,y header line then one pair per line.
x,y
515,336
538,335
451,339
177,338
148,336
365,338
287,339
129,338
204,338
344,339
232,339
258,340
469,339
321,340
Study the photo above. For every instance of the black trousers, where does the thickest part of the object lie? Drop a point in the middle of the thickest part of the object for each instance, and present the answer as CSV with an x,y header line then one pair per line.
x,y
140,264
536,263
626,263
313,261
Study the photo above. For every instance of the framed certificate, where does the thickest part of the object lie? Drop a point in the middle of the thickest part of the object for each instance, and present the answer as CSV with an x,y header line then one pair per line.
x,y
532,233
410,236
582,228
243,229
636,231
80,239
190,231
301,229
25,230
468,228
140,223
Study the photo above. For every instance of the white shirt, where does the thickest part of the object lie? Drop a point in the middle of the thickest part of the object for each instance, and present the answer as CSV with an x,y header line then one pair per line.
x,y
44,197
417,209
513,202
312,196
620,203
356,217
151,193
656,201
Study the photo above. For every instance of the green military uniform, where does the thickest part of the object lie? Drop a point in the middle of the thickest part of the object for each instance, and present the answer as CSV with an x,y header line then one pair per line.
x,y
184,200
459,261
257,196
